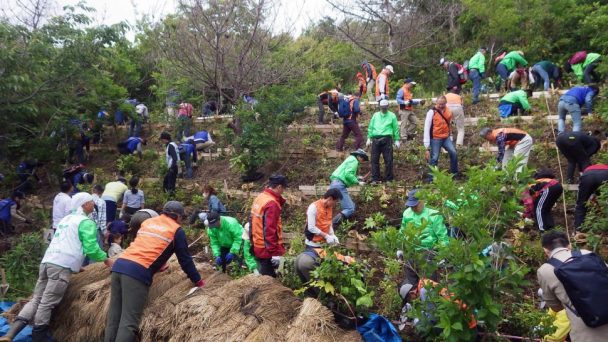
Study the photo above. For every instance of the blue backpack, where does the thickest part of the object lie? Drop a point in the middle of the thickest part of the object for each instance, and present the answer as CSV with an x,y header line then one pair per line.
x,y
585,279
344,107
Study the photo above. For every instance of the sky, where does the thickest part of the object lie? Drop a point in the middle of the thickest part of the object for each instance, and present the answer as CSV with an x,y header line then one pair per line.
x,y
292,15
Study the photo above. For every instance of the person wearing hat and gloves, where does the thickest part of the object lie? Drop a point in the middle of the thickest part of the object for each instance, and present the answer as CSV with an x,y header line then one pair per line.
x,y
75,238
342,178
477,68
112,194
406,102
266,233
157,240
453,75
438,134
9,210
382,134
172,159
226,238
370,77
511,142
382,81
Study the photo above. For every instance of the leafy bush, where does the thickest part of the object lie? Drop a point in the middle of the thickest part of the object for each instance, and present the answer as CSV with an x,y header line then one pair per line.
x,y
129,164
21,264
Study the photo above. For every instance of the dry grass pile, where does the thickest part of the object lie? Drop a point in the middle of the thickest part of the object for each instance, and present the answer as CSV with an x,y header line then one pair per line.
x,y
14,310
316,323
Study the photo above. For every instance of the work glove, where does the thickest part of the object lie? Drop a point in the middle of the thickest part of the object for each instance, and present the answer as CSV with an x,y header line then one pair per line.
x,y
360,178
275,261
400,254
397,144
218,260
256,272
361,183
229,258
368,143
422,102
336,115
331,240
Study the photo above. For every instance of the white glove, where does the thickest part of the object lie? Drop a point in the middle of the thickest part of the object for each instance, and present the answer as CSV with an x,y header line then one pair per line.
x,y
397,144
256,272
276,261
332,240
192,290
407,102
368,143
202,216
336,115
361,183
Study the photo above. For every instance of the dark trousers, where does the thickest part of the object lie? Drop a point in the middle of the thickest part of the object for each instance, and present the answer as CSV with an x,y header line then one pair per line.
x,y
590,182
590,75
503,72
543,205
223,253
412,270
575,153
348,127
384,146
325,99
170,180
110,211
127,301
265,267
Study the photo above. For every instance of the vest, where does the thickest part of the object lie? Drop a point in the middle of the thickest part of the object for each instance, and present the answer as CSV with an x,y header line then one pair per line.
x,y
153,238
441,124
374,75
5,209
322,221
407,95
258,229
514,135
384,73
168,156
65,249
453,99
549,183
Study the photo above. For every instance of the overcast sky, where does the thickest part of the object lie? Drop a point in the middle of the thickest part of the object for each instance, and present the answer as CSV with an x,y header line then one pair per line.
x,y
293,15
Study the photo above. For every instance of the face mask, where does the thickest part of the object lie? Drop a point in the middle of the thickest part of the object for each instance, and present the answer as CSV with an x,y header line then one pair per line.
x,y
206,222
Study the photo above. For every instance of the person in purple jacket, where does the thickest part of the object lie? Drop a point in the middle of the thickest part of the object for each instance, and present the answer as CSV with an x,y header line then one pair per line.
x,y
571,103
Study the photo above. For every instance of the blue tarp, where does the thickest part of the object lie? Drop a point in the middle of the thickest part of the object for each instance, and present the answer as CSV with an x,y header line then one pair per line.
x,y
379,329
24,336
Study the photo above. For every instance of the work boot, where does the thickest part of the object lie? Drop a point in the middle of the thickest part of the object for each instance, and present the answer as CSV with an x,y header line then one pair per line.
x,y
16,327
337,220
40,333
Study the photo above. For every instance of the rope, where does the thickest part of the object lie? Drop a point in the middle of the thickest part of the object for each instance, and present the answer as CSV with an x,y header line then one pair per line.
x,y
559,163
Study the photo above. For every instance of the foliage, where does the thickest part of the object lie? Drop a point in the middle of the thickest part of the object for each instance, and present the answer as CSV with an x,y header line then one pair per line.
x,y
530,321
129,164
596,220
343,285
390,302
21,264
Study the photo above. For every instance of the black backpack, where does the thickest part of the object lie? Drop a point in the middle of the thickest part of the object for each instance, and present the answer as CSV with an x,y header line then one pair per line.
x,y
585,279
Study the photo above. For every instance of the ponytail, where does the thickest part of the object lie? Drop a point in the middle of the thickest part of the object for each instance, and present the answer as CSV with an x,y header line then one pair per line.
x,y
133,183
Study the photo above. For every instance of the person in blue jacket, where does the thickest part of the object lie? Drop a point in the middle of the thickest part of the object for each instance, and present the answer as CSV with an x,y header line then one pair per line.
x,y
572,102
76,174
9,210
187,153
132,145
25,170
201,139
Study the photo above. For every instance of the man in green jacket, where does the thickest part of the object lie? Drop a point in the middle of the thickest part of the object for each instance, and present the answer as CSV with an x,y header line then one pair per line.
x,y
432,232
477,68
382,134
226,237
342,178
585,70
509,62
513,102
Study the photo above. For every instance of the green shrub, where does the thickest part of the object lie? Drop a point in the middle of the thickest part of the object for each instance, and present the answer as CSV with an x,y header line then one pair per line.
x,y
21,264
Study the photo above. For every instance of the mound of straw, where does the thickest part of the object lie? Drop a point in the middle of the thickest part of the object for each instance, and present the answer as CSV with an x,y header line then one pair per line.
x,y
253,308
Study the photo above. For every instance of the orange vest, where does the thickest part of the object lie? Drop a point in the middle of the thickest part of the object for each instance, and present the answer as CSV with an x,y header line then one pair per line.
x,y
453,99
508,131
373,75
153,237
323,220
407,95
258,229
386,90
362,84
445,294
440,127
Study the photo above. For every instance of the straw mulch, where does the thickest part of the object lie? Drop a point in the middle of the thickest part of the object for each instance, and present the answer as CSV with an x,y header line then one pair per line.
x,y
253,308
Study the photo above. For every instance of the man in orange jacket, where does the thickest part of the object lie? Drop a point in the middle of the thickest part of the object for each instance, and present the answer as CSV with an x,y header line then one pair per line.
x,y
266,232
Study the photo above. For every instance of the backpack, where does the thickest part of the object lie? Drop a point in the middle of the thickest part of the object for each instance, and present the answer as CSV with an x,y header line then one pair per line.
x,y
463,74
499,58
578,57
585,279
343,107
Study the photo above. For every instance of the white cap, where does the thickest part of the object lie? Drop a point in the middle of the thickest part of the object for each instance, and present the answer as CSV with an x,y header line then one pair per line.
x,y
441,61
389,68
383,103
79,199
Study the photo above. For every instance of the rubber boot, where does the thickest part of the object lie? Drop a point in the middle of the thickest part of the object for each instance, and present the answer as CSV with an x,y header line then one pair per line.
x,y
16,327
40,333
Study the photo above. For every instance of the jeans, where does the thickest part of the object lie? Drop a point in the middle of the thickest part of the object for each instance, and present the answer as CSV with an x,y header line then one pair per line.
x,y
568,105
384,146
436,145
135,128
544,75
458,116
51,286
348,127
475,77
590,75
502,71
409,123
188,163
347,204
170,180
183,127
127,302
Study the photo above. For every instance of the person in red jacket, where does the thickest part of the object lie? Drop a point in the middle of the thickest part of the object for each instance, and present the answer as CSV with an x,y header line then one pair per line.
x,y
266,232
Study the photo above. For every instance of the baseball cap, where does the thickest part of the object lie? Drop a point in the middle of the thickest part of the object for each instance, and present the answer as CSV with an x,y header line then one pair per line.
x,y
412,200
